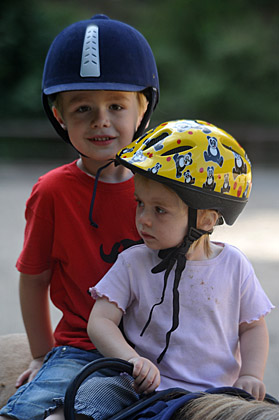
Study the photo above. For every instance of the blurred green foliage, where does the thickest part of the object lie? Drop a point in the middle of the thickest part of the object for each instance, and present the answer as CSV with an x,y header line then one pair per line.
x,y
217,60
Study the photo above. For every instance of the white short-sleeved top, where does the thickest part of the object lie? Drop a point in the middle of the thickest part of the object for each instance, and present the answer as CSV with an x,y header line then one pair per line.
x,y
215,297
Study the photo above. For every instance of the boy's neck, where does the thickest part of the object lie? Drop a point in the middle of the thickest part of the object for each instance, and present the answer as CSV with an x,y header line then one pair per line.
x,y
110,174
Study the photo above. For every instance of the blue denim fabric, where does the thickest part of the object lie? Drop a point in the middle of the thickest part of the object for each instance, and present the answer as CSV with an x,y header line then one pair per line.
x,y
34,398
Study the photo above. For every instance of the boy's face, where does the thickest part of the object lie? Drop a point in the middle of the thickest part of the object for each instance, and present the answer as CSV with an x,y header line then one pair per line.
x,y
161,216
99,123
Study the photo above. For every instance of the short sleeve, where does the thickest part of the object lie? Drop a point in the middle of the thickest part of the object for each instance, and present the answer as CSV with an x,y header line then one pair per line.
x,y
116,284
254,301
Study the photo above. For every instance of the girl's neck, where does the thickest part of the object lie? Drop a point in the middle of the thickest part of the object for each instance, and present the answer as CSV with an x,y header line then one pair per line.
x,y
197,253
110,174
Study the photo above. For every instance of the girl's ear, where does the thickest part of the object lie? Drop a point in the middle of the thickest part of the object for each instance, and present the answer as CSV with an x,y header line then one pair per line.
x,y
207,219
58,117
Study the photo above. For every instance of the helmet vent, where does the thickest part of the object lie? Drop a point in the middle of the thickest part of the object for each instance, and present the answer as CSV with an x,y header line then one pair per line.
x,y
178,149
231,149
90,60
154,141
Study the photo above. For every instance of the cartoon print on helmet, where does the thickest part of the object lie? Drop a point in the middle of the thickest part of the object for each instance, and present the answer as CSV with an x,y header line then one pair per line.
x,y
155,168
185,125
240,166
213,153
210,184
188,177
138,157
201,185
226,186
126,150
181,162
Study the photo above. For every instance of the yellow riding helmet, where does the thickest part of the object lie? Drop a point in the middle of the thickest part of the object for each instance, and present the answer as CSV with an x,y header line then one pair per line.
x,y
202,163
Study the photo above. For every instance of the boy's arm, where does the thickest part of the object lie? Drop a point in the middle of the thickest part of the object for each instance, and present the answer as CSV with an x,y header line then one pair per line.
x,y
254,343
34,300
104,333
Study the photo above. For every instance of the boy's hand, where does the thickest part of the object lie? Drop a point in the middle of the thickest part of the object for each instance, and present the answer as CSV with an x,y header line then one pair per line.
x,y
252,385
31,372
146,375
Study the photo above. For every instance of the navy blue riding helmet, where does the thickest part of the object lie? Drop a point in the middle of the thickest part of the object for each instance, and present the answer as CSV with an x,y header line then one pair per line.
x,y
100,54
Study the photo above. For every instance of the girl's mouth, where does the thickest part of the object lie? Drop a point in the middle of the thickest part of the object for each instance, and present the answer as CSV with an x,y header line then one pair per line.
x,y
145,235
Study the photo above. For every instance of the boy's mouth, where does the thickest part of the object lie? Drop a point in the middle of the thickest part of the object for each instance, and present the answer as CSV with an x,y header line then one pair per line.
x,y
101,140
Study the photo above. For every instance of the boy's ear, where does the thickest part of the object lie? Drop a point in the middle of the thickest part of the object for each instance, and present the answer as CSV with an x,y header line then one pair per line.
x,y
207,219
140,117
58,117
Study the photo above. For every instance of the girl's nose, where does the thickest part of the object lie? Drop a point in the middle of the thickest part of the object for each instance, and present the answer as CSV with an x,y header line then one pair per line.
x,y
144,218
100,118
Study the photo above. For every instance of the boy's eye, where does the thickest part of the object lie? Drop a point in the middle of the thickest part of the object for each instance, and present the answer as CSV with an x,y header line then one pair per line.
x,y
139,203
116,107
83,108
159,210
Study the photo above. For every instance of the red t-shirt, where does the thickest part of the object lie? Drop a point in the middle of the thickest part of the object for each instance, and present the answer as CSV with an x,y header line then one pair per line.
x,y
58,235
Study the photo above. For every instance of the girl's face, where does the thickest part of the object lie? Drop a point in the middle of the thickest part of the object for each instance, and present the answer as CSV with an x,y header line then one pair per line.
x,y
99,123
161,216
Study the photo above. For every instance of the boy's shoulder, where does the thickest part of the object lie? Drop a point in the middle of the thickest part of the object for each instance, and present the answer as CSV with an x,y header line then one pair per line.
x,y
55,181
57,176
58,172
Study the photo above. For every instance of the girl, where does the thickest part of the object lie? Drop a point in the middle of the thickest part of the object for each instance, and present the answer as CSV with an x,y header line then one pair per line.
x,y
193,310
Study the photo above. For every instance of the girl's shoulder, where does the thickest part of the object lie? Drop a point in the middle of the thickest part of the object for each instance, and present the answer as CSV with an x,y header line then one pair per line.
x,y
233,255
139,256
136,250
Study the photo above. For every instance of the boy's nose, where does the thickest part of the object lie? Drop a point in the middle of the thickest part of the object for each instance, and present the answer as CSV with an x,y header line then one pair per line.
x,y
100,118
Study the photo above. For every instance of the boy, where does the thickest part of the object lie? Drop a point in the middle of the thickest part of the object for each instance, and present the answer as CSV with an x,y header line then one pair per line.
x,y
101,78
193,310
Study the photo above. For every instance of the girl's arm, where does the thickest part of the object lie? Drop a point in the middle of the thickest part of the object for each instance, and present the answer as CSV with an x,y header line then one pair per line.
x,y
104,333
254,343
34,300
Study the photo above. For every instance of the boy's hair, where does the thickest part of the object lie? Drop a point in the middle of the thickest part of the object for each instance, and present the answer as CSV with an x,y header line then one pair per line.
x,y
100,54
141,98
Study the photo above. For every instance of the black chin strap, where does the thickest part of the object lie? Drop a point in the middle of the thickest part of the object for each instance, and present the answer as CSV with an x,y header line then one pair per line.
x,y
92,223
169,257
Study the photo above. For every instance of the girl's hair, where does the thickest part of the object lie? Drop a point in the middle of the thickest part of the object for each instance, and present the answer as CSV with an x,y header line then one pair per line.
x,y
205,238
206,245
224,407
